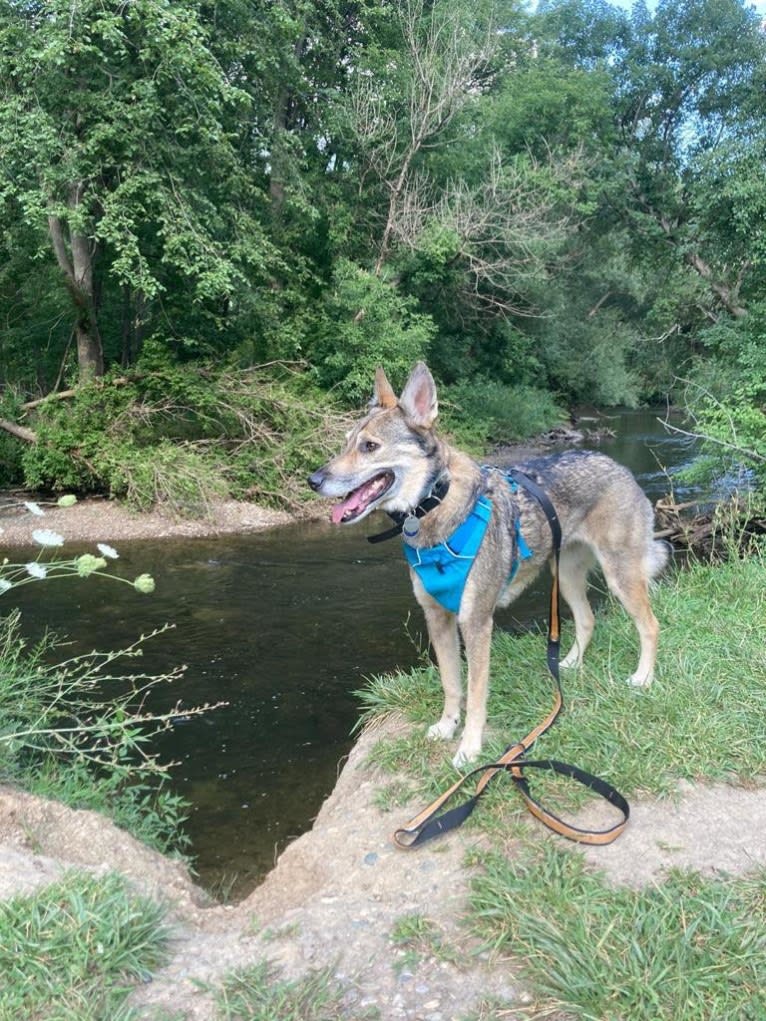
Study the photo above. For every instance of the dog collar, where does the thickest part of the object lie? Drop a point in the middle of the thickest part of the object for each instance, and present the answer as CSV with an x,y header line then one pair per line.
x,y
434,498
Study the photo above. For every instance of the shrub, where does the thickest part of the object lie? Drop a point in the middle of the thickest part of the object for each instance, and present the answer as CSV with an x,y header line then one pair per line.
x,y
181,438
368,324
482,411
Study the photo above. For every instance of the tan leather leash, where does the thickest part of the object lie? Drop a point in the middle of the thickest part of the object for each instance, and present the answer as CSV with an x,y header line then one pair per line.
x,y
433,821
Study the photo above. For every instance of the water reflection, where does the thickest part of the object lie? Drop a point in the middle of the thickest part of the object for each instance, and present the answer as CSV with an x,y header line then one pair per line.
x,y
284,626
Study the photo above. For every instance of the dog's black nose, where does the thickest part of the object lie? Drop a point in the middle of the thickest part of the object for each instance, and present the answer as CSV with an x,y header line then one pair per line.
x,y
316,480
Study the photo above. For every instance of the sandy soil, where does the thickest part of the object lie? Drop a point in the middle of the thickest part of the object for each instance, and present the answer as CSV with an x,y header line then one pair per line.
x,y
108,521
336,893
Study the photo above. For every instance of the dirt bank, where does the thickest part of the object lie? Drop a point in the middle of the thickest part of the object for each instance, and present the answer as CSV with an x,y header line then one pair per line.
x,y
102,520
337,892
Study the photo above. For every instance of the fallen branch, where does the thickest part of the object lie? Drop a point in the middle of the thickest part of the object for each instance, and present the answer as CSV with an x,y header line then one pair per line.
x,y
64,394
20,431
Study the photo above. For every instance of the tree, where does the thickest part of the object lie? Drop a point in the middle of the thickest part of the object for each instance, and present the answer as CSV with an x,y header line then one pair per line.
x,y
119,146
444,49
686,88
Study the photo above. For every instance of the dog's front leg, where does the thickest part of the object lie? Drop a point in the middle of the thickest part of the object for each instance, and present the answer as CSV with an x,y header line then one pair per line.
x,y
442,630
477,635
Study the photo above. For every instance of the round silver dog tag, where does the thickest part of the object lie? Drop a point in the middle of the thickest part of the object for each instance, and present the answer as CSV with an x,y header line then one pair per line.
x,y
410,527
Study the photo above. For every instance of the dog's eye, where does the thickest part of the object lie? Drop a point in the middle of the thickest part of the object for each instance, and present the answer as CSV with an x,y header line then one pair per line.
x,y
368,446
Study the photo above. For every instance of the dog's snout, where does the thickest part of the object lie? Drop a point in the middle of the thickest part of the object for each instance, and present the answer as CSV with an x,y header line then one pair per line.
x,y
315,481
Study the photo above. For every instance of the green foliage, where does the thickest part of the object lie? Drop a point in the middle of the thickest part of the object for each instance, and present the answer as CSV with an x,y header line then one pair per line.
x,y
686,949
588,359
567,199
726,397
74,949
258,993
182,438
482,412
367,324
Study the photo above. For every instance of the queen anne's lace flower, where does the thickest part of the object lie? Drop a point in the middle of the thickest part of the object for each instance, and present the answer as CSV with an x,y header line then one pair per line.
x,y
47,538
144,583
36,570
107,551
34,508
4,585
87,564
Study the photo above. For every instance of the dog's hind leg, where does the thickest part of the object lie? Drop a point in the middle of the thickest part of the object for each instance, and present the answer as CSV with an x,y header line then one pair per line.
x,y
442,630
576,560
627,579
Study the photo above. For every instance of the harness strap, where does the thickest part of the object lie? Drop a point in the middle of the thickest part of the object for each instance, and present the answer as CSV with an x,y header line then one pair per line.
x,y
433,821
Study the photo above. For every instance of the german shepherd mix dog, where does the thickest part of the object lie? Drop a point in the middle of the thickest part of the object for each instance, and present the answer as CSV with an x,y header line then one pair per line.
x,y
458,515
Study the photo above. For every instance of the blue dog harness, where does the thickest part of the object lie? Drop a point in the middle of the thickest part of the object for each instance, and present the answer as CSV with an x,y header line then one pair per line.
x,y
443,569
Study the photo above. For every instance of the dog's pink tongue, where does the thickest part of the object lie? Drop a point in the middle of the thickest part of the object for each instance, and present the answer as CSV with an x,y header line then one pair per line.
x,y
352,502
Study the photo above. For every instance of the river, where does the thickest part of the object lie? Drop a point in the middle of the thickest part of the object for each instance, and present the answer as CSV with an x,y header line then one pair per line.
x,y
284,626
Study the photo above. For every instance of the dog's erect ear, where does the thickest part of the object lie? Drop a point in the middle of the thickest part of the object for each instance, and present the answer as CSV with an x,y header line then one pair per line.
x,y
418,400
383,395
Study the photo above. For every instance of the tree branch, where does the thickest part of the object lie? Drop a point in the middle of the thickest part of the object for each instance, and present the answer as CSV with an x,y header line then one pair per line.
x,y
20,431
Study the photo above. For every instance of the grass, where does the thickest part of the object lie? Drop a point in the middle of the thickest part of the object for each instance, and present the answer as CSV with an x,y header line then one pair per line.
x,y
688,948
414,936
72,951
704,717
258,993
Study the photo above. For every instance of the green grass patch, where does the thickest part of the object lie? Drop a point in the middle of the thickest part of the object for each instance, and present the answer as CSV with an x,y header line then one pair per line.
x,y
73,951
704,716
686,950
258,993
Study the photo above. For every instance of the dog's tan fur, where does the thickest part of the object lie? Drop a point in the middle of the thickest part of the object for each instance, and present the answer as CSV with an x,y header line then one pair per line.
x,y
606,520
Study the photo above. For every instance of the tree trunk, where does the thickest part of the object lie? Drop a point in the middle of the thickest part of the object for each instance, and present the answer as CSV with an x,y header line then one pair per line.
x,y
74,255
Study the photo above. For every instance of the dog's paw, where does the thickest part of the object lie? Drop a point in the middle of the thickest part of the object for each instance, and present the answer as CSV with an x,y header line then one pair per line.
x,y
638,680
444,730
465,755
572,660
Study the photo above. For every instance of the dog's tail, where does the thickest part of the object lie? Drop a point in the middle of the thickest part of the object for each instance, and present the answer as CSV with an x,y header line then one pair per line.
x,y
657,556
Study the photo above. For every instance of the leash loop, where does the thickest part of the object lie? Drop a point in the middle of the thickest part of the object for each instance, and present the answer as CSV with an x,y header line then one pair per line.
x,y
435,819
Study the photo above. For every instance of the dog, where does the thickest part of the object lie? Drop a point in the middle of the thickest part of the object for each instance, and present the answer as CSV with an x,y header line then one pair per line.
x,y
395,461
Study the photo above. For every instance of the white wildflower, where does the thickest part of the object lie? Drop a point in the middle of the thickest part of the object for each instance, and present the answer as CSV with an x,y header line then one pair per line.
x,y
34,508
87,564
36,570
47,538
107,551
4,585
144,583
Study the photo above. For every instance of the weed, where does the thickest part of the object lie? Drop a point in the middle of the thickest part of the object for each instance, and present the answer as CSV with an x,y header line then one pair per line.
x,y
416,937
686,950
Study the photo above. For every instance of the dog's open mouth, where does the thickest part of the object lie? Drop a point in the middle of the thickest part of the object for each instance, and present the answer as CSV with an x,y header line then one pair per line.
x,y
359,500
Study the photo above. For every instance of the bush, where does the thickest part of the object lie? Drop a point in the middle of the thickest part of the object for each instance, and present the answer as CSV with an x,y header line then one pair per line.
x,y
181,438
78,732
482,412
368,324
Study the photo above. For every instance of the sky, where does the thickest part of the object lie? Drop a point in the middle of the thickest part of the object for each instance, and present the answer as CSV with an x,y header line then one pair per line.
x,y
760,5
